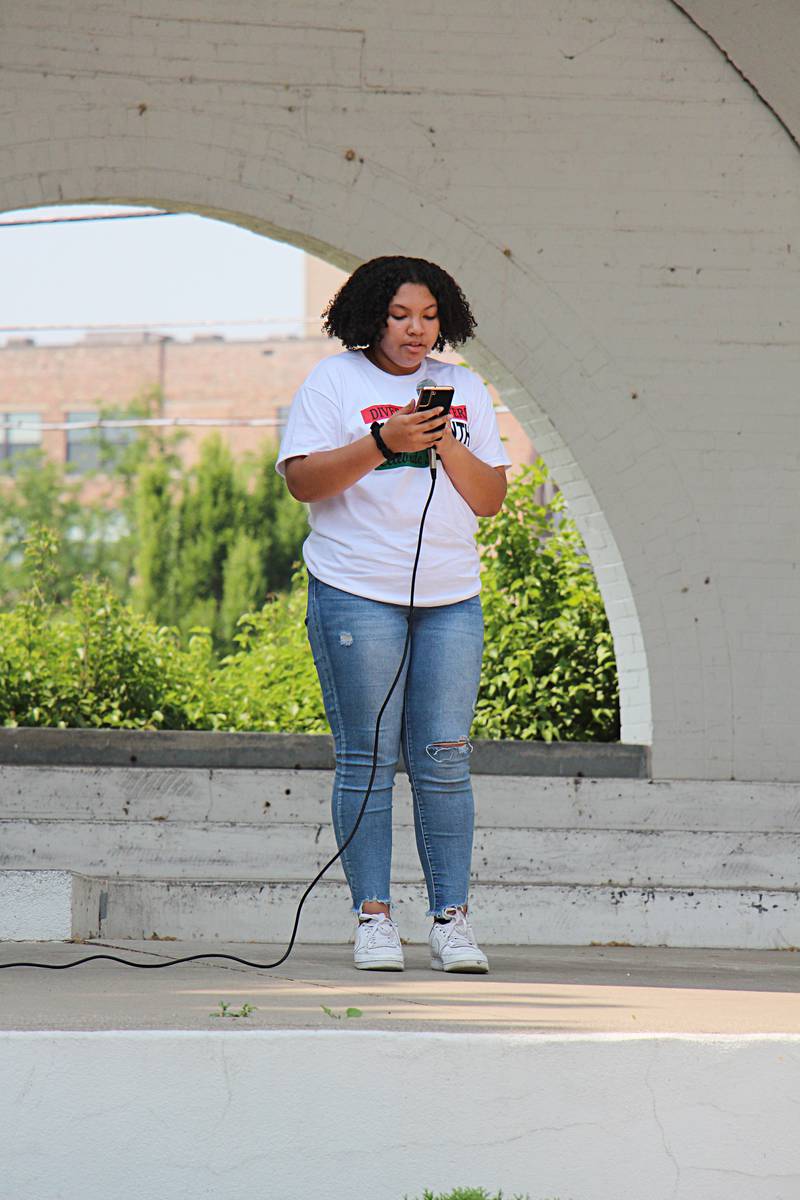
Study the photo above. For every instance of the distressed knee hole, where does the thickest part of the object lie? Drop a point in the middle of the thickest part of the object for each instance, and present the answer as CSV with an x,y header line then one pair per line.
x,y
444,752
345,638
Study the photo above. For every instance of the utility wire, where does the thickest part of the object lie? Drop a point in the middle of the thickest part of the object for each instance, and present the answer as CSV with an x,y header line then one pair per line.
x,y
138,423
137,326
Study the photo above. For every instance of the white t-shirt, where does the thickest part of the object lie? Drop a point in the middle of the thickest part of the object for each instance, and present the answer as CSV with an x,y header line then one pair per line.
x,y
364,540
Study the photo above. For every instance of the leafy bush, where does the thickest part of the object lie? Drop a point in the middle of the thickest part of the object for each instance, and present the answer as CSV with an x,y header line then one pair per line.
x,y
89,664
270,682
96,663
190,546
549,671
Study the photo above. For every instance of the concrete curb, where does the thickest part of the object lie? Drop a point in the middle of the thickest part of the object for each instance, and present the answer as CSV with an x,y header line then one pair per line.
x,y
296,751
592,1116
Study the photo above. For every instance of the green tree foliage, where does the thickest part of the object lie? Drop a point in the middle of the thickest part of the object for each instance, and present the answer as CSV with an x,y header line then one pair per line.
x,y
122,455
210,510
35,494
269,682
94,662
273,519
192,548
155,521
97,536
549,671
243,583
215,541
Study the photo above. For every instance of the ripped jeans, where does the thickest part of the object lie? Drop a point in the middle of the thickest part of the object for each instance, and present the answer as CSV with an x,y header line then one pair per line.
x,y
357,646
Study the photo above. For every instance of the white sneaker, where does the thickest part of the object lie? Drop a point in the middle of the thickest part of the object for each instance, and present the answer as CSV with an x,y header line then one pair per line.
x,y
377,945
453,945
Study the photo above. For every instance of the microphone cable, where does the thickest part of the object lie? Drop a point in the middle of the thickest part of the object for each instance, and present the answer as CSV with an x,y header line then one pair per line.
x,y
171,962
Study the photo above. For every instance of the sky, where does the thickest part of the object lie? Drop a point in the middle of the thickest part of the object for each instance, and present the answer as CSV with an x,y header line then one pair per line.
x,y
152,270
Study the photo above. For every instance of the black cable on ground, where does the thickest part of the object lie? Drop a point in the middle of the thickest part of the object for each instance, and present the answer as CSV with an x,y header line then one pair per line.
x,y
171,962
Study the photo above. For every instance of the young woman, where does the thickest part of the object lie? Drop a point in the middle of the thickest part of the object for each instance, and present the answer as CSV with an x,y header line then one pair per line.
x,y
357,452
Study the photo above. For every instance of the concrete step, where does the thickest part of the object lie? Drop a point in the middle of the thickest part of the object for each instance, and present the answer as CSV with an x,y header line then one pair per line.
x,y
41,905
277,796
239,851
199,852
503,913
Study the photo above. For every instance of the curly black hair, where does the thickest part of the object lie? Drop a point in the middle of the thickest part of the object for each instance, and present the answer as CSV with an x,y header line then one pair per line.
x,y
357,313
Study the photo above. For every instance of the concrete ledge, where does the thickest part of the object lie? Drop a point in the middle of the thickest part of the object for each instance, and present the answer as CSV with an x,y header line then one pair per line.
x,y
228,1113
41,905
35,905
293,751
519,914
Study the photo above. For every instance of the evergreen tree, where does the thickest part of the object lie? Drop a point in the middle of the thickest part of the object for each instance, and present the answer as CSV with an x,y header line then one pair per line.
x,y
122,454
95,537
210,513
156,585
35,493
274,519
244,588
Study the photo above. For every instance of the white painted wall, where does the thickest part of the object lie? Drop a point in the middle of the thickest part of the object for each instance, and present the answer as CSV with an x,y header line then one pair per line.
x,y
616,200
306,1114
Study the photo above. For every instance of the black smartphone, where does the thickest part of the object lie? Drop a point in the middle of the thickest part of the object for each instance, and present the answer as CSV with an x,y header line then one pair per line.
x,y
432,396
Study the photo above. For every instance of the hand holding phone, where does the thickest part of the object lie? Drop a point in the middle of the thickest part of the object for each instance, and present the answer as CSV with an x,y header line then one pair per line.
x,y
414,427
429,395
441,398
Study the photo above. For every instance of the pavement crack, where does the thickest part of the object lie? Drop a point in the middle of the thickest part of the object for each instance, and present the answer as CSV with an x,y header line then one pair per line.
x,y
657,1119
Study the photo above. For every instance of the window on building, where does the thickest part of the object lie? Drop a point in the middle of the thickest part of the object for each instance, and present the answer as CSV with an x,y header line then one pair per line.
x,y
83,445
19,432
82,451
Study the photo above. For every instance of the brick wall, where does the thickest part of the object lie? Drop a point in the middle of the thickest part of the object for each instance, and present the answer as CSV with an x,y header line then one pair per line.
x,y
204,378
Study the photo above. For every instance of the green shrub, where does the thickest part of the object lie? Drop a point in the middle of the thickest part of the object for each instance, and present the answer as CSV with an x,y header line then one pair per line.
x,y
549,671
94,662
270,682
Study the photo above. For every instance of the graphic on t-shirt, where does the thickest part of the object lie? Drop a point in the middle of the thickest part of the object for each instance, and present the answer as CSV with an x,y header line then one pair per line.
x,y
459,423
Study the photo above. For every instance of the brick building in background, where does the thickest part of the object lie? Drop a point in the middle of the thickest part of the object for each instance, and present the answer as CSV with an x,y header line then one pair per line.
x,y
207,377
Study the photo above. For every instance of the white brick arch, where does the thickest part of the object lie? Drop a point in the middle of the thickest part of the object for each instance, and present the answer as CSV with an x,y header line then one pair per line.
x,y
275,209
617,206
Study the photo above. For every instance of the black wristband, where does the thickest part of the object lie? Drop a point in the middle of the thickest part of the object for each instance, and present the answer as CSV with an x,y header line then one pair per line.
x,y
375,430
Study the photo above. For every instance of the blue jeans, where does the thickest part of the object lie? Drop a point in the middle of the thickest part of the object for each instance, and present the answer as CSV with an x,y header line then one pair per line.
x,y
357,646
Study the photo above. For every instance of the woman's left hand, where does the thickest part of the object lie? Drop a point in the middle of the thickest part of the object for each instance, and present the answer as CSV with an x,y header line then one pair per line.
x,y
446,440
483,487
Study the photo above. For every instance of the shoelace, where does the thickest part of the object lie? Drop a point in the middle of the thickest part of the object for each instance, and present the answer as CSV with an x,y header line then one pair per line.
x,y
459,931
381,929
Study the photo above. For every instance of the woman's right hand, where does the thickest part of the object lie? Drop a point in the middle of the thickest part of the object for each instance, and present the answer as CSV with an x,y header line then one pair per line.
x,y
325,473
407,430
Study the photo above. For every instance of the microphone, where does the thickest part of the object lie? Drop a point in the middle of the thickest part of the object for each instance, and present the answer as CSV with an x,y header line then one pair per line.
x,y
428,383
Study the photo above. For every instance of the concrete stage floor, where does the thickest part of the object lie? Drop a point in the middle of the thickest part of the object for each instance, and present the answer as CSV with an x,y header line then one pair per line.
x,y
596,989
